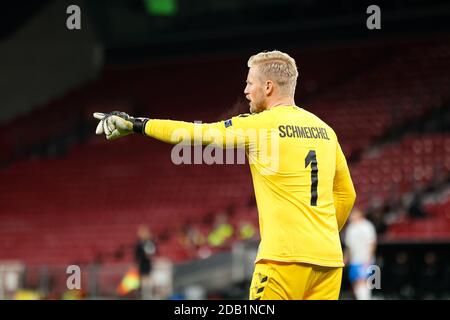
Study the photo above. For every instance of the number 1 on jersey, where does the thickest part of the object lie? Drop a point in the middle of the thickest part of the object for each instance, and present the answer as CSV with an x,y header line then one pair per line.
x,y
311,159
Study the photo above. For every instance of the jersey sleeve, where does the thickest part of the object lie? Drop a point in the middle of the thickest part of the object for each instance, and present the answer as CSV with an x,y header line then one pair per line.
x,y
344,194
235,132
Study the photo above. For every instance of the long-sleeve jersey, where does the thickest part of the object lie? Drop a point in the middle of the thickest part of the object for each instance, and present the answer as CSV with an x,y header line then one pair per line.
x,y
303,189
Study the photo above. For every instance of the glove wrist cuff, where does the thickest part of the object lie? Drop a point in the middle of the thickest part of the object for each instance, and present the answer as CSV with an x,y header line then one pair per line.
x,y
139,125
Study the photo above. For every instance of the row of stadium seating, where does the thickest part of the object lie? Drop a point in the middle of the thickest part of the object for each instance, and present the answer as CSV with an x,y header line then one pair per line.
x,y
436,227
399,167
404,88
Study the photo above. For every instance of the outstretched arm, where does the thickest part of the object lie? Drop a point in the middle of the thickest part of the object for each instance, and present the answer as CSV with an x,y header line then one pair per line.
x,y
175,132
343,190
230,133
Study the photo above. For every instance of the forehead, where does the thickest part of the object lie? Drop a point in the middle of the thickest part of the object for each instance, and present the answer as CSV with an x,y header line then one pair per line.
x,y
252,73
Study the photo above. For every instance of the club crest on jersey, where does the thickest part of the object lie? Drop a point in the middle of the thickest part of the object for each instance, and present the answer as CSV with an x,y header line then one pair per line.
x,y
228,123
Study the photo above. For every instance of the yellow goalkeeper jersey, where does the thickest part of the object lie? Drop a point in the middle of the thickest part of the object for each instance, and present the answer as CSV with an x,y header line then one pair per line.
x,y
302,184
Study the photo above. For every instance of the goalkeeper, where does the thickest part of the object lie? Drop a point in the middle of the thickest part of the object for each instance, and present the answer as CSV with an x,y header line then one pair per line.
x,y
304,194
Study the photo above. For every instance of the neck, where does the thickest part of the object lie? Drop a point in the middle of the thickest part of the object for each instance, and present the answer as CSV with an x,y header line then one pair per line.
x,y
281,102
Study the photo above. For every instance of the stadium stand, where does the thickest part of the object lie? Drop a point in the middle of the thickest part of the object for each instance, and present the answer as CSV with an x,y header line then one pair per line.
x,y
86,205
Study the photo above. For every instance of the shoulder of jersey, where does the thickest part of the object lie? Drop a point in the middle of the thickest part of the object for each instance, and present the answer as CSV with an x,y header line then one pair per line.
x,y
229,122
259,114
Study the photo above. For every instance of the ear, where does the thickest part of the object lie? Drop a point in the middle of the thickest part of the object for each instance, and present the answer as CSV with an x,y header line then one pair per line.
x,y
269,87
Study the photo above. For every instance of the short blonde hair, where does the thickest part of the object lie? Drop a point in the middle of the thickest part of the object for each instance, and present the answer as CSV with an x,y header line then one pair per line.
x,y
277,66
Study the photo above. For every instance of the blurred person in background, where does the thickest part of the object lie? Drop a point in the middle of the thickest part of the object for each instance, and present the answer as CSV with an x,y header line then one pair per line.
x,y
415,209
144,250
192,239
221,233
360,241
246,230
378,219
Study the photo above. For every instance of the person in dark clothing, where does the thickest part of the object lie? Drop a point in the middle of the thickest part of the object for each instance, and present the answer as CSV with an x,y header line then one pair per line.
x,y
144,250
377,217
415,209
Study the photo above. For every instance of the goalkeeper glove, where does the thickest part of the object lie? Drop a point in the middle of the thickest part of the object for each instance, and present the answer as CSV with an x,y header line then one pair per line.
x,y
118,124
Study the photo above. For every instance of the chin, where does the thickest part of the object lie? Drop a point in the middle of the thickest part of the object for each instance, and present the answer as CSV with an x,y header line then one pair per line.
x,y
253,108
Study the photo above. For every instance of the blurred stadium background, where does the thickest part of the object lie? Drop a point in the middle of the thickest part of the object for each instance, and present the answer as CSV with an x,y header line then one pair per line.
x,y
70,198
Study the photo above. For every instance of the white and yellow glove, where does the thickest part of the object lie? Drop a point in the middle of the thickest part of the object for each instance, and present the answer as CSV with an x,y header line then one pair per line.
x,y
118,124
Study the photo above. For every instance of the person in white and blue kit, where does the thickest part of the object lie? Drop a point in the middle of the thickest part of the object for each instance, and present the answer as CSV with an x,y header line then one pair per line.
x,y
360,241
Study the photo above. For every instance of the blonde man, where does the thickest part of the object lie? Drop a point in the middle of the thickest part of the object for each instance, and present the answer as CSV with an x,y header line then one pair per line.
x,y
303,202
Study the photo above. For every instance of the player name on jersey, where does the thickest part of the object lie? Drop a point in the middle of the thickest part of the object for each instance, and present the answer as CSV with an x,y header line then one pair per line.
x,y
303,132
